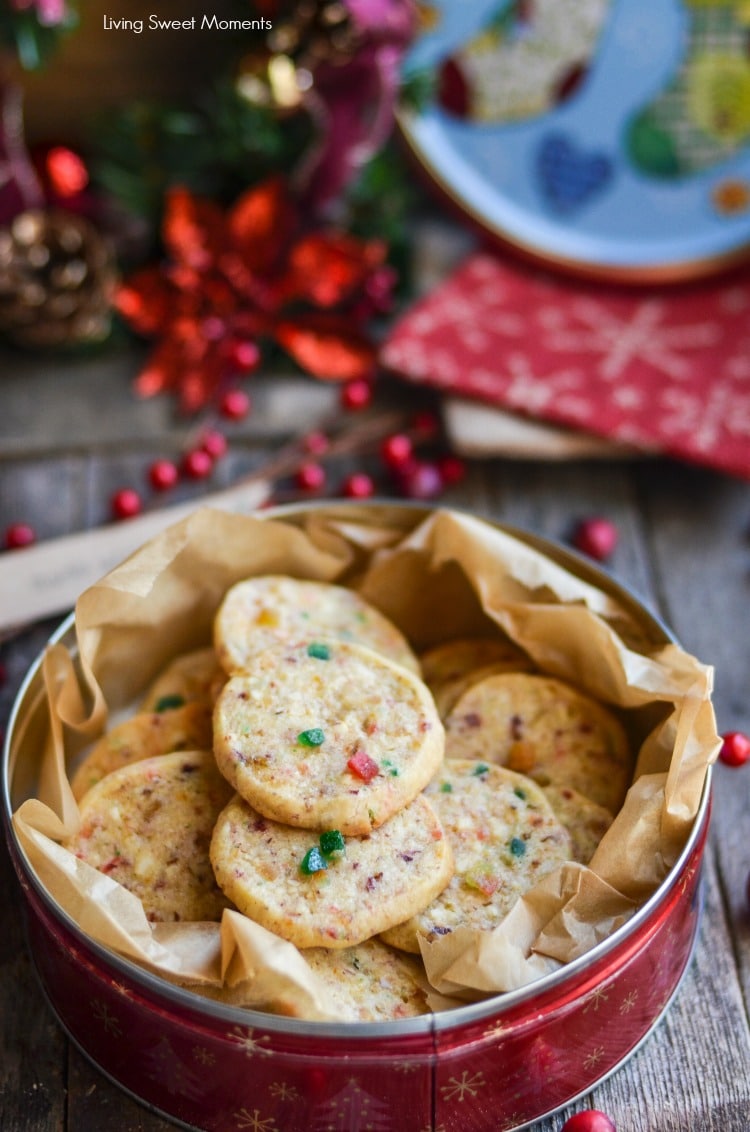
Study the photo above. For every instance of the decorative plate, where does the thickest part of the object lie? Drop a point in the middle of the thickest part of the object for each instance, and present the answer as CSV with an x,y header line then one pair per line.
x,y
611,137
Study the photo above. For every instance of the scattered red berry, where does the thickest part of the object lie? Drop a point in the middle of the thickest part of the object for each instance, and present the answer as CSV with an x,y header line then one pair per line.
x,y
590,1121
18,535
358,486
163,474
235,405
3,674
356,394
396,450
126,503
422,481
244,356
426,424
735,748
452,470
197,464
214,443
315,443
310,477
596,537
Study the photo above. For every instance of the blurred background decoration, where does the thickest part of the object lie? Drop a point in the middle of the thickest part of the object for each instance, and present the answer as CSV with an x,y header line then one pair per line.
x,y
97,133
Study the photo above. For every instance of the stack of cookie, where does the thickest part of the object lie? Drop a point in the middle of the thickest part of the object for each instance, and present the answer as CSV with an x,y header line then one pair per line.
x,y
311,772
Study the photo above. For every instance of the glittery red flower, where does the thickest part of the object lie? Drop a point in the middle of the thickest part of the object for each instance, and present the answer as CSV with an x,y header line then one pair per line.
x,y
250,275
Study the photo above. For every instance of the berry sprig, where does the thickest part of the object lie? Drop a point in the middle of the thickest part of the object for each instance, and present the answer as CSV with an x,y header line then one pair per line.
x,y
393,440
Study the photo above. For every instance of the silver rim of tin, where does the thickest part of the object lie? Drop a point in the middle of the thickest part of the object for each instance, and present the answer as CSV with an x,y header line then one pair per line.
x,y
424,1024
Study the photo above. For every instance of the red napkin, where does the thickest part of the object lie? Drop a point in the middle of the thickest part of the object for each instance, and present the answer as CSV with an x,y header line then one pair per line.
x,y
663,369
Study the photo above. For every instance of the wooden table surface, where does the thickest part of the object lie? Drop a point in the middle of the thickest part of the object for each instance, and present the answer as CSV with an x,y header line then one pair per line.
x,y
71,432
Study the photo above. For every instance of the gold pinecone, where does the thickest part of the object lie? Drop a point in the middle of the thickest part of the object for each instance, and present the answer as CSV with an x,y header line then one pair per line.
x,y
57,274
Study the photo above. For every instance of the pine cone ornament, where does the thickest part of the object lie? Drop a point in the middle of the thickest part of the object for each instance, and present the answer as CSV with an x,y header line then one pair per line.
x,y
57,278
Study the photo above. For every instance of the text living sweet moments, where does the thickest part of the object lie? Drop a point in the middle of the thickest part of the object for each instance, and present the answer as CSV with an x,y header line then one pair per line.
x,y
206,22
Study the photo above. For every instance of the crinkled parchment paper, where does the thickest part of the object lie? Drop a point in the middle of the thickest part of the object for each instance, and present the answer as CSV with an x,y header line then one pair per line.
x,y
438,575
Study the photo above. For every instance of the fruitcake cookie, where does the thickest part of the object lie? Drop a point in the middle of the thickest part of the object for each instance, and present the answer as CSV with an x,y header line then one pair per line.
x,y
585,821
504,838
191,677
187,728
275,609
330,891
148,826
370,982
545,728
450,668
327,736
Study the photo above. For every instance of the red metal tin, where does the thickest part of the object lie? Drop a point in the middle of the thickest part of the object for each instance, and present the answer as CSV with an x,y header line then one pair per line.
x,y
497,1065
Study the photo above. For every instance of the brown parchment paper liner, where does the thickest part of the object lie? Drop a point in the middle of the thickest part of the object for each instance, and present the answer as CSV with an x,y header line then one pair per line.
x,y
437,574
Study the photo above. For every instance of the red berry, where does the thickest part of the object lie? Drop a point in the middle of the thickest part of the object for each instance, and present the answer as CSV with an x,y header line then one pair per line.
x,y
235,405
596,537
214,443
18,535
315,443
452,469
197,464
356,394
3,674
422,481
310,477
244,356
735,748
590,1121
126,503
163,474
396,450
358,486
426,424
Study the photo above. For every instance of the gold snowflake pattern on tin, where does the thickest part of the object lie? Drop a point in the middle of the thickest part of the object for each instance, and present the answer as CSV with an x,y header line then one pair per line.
x,y
406,1066
250,1045
515,1120
628,1002
498,1030
459,1088
103,1014
283,1092
598,996
253,1121
203,1056
592,1059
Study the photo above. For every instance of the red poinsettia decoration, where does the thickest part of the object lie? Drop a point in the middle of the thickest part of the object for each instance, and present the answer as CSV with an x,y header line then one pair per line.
x,y
234,281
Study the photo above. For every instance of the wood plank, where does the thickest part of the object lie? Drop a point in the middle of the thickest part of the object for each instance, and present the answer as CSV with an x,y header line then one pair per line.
x,y
701,553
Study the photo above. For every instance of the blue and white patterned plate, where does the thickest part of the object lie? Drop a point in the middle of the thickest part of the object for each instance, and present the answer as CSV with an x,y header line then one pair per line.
x,y
608,136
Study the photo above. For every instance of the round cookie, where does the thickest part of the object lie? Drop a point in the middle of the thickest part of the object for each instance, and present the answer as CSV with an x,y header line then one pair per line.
x,y
370,982
191,677
375,882
504,838
451,667
545,728
585,821
149,825
327,736
186,728
272,609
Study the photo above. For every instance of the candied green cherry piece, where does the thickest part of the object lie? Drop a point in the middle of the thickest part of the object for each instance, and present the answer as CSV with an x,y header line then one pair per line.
x,y
313,862
313,737
332,841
